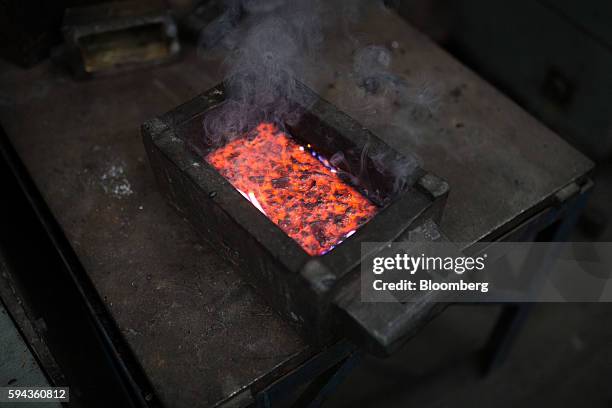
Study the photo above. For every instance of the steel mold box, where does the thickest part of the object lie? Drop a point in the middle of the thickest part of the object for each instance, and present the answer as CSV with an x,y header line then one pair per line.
x,y
319,294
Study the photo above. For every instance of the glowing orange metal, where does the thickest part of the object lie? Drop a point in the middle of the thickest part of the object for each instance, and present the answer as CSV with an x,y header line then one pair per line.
x,y
301,194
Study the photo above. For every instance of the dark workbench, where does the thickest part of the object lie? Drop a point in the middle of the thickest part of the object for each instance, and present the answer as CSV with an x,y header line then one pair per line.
x,y
199,332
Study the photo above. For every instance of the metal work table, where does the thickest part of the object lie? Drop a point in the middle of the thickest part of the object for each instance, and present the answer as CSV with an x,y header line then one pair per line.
x,y
199,332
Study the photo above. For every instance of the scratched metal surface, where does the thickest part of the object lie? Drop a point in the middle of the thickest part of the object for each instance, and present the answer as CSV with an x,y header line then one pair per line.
x,y
199,331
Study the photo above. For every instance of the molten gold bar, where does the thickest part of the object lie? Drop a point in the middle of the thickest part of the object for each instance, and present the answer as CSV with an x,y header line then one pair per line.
x,y
294,187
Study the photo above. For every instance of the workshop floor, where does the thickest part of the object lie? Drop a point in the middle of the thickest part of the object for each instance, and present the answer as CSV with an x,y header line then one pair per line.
x,y
18,366
562,357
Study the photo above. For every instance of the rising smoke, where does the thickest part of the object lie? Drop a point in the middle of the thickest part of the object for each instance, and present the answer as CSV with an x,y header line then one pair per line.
x,y
267,53
279,41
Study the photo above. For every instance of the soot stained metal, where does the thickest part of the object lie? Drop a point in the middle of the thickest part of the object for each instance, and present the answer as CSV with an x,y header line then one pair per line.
x,y
353,200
